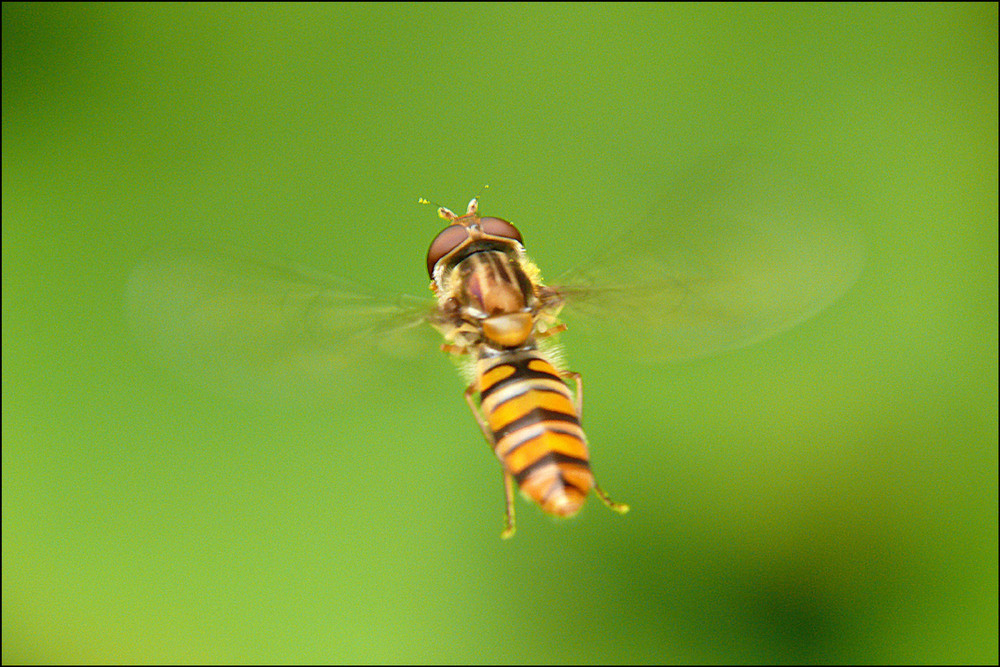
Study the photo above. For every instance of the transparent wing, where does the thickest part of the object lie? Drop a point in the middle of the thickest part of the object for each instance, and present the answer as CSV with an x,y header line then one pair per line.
x,y
249,325
722,264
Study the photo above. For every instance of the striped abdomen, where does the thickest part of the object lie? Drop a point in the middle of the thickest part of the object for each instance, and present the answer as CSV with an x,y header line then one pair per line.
x,y
536,429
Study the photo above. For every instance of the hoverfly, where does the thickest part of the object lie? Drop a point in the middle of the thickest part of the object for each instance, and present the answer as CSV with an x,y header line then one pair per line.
x,y
494,308
668,297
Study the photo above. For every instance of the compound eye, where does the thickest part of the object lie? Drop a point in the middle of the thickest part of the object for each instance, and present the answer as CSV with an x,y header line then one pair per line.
x,y
450,238
500,227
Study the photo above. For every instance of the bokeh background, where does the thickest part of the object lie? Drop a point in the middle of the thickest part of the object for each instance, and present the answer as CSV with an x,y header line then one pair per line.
x,y
829,495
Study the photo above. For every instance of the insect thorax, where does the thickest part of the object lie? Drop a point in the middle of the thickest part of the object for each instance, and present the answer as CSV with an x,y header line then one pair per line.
x,y
491,297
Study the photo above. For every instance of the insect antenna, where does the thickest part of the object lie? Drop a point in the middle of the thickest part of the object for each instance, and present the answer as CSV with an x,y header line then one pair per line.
x,y
445,213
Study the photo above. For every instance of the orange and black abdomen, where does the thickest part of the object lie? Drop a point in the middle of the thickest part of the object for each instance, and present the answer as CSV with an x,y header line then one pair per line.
x,y
536,429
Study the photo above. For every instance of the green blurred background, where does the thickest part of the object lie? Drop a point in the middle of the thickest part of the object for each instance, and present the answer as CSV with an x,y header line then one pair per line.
x,y
827,496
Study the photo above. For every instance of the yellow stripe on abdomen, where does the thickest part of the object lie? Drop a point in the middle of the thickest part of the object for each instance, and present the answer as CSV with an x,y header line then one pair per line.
x,y
494,375
541,366
547,442
521,405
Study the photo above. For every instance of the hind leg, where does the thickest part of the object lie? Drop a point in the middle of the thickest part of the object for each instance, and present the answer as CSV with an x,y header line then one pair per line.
x,y
508,490
621,508
508,479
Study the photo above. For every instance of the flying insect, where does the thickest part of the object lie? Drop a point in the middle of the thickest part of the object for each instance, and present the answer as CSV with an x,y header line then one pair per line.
x,y
658,292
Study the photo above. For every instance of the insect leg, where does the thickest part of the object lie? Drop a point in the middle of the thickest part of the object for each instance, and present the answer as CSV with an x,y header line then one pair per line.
x,y
508,479
551,331
621,508
578,398
483,424
508,490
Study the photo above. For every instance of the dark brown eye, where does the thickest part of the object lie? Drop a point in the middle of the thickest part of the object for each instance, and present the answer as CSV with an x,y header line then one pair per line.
x,y
449,239
500,227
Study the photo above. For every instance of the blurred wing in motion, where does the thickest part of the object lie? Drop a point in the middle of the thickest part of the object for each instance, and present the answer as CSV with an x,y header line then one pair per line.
x,y
250,326
724,266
